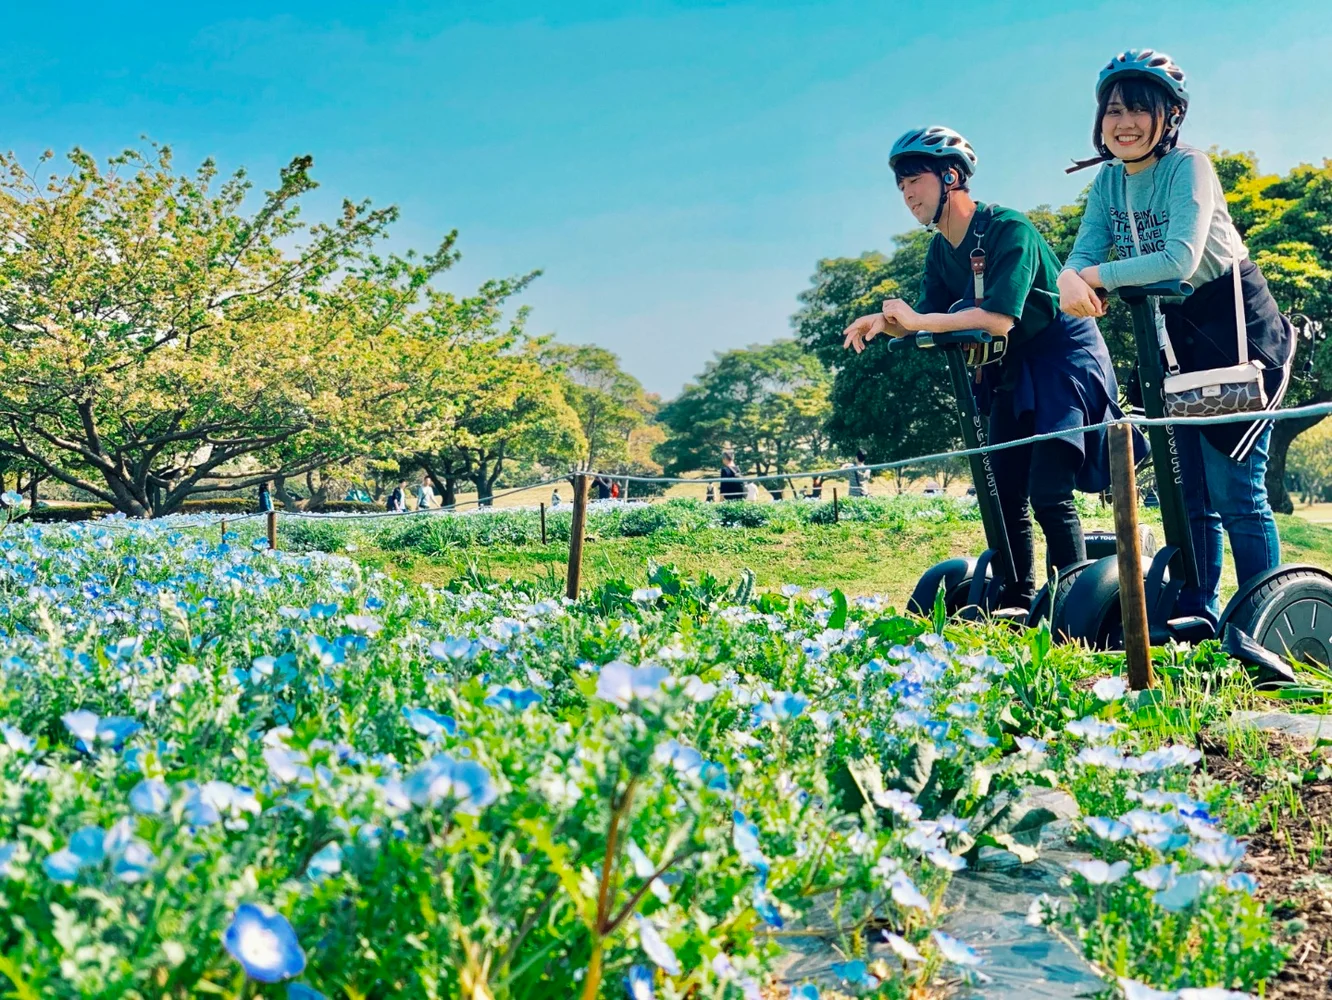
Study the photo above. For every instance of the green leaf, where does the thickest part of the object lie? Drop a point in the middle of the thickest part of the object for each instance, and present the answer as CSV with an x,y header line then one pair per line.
x,y
940,609
838,619
560,864
916,773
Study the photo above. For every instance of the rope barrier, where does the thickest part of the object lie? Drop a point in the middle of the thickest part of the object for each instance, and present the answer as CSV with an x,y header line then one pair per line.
x,y
1310,410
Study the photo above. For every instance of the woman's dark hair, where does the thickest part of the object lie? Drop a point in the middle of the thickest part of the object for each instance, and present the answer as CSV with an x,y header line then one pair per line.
x,y
913,165
1139,94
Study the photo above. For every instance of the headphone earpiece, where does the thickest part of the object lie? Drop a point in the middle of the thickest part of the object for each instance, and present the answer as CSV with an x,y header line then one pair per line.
x,y
949,177
1176,119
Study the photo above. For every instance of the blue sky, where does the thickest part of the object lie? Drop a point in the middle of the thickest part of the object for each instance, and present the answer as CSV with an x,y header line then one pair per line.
x,y
675,169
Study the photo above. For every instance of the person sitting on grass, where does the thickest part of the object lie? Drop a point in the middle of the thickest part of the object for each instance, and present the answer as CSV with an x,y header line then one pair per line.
x,y
988,268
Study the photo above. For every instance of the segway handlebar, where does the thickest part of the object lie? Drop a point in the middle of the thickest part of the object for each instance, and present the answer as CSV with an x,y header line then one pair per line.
x,y
1175,289
958,338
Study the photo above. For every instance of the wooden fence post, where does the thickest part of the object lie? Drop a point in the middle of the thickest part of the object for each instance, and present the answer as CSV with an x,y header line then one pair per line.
x,y
1128,547
543,522
835,514
272,530
223,539
576,537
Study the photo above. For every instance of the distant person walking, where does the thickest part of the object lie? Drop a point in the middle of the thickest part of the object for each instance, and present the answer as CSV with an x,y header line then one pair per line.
x,y
859,477
397,500
425,494
265,498
604,491
731,487
554,498
615,490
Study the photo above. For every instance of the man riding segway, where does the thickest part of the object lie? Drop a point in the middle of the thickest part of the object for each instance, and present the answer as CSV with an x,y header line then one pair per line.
x,y
988,271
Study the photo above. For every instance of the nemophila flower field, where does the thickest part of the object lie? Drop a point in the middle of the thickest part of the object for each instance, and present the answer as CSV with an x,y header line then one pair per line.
x,y
232,772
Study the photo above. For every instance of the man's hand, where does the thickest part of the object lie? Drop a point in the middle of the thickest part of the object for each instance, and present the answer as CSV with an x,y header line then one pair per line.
x,y
862,331
1077,298
899,314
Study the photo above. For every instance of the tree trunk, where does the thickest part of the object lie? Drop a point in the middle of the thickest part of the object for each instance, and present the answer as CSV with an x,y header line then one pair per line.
x,y
318,495
1283,433
280,491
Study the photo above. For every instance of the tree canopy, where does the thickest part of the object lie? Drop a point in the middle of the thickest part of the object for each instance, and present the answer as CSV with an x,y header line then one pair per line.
x,y
768,403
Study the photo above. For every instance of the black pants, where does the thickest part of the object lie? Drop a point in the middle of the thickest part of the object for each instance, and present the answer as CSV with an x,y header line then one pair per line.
x,y
1043,473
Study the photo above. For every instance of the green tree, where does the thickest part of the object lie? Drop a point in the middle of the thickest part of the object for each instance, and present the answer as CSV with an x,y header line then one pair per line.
x,y
769,403
610,403
163,335
481,397
1310,461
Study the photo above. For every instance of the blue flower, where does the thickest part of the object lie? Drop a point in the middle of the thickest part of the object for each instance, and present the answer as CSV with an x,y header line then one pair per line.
x,y
654,947
88,844
325,651
8,850
464,782
746,843
638,984
135,862
264,943
150,797
62,865
453,648
856,973
784,705
509,698
299,991
1109,829
766,908
805,991
88,729
325,862
955,951
16,741
622,683
430,724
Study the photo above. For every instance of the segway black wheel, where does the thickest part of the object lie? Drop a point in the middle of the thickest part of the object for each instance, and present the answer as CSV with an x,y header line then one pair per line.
x,y
1089,610
955,575
1287,610
1048,605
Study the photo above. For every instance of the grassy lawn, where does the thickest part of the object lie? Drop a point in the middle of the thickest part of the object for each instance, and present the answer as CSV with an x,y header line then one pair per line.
x,y
857,557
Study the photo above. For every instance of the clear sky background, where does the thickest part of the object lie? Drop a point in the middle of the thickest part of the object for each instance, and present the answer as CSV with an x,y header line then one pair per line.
x,y
675,168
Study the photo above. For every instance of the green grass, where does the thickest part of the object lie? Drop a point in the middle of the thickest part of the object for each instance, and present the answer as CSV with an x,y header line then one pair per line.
x,y
857,557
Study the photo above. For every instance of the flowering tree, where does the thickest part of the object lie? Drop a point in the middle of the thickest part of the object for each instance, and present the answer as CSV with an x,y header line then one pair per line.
x,y
162,335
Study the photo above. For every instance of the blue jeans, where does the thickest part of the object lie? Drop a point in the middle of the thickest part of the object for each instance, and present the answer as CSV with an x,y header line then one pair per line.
x,y
1220,492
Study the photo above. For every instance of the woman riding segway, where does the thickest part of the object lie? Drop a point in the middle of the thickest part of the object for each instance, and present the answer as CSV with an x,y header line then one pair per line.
x,y
1182,231
988,269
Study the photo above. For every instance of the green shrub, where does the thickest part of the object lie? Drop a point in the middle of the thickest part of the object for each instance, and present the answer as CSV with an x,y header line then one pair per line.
x,y
309,534
348,507
72,512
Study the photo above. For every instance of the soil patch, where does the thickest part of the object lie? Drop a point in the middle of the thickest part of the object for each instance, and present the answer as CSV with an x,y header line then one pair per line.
x,y
1293,865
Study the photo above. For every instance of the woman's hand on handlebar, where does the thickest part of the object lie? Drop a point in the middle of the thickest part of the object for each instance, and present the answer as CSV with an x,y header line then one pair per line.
x,y
1077,298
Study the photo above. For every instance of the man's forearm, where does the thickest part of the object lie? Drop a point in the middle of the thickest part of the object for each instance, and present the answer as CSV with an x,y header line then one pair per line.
x,y
995,324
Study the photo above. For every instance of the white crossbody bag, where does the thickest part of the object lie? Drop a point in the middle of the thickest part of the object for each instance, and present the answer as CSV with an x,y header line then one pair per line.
x,y
1235,389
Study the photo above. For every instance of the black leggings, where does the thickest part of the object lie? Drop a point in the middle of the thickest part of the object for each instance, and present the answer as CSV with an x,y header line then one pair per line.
x,y
1043,473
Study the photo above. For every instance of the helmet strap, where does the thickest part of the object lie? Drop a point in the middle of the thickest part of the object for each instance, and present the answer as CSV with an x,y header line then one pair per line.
x,y
944,194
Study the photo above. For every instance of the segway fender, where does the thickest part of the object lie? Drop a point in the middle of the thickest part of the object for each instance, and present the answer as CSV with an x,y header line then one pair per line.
x,y
952,573
1247,588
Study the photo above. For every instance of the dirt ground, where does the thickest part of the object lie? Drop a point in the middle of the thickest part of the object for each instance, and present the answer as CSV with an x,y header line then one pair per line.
x,y
1294,873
